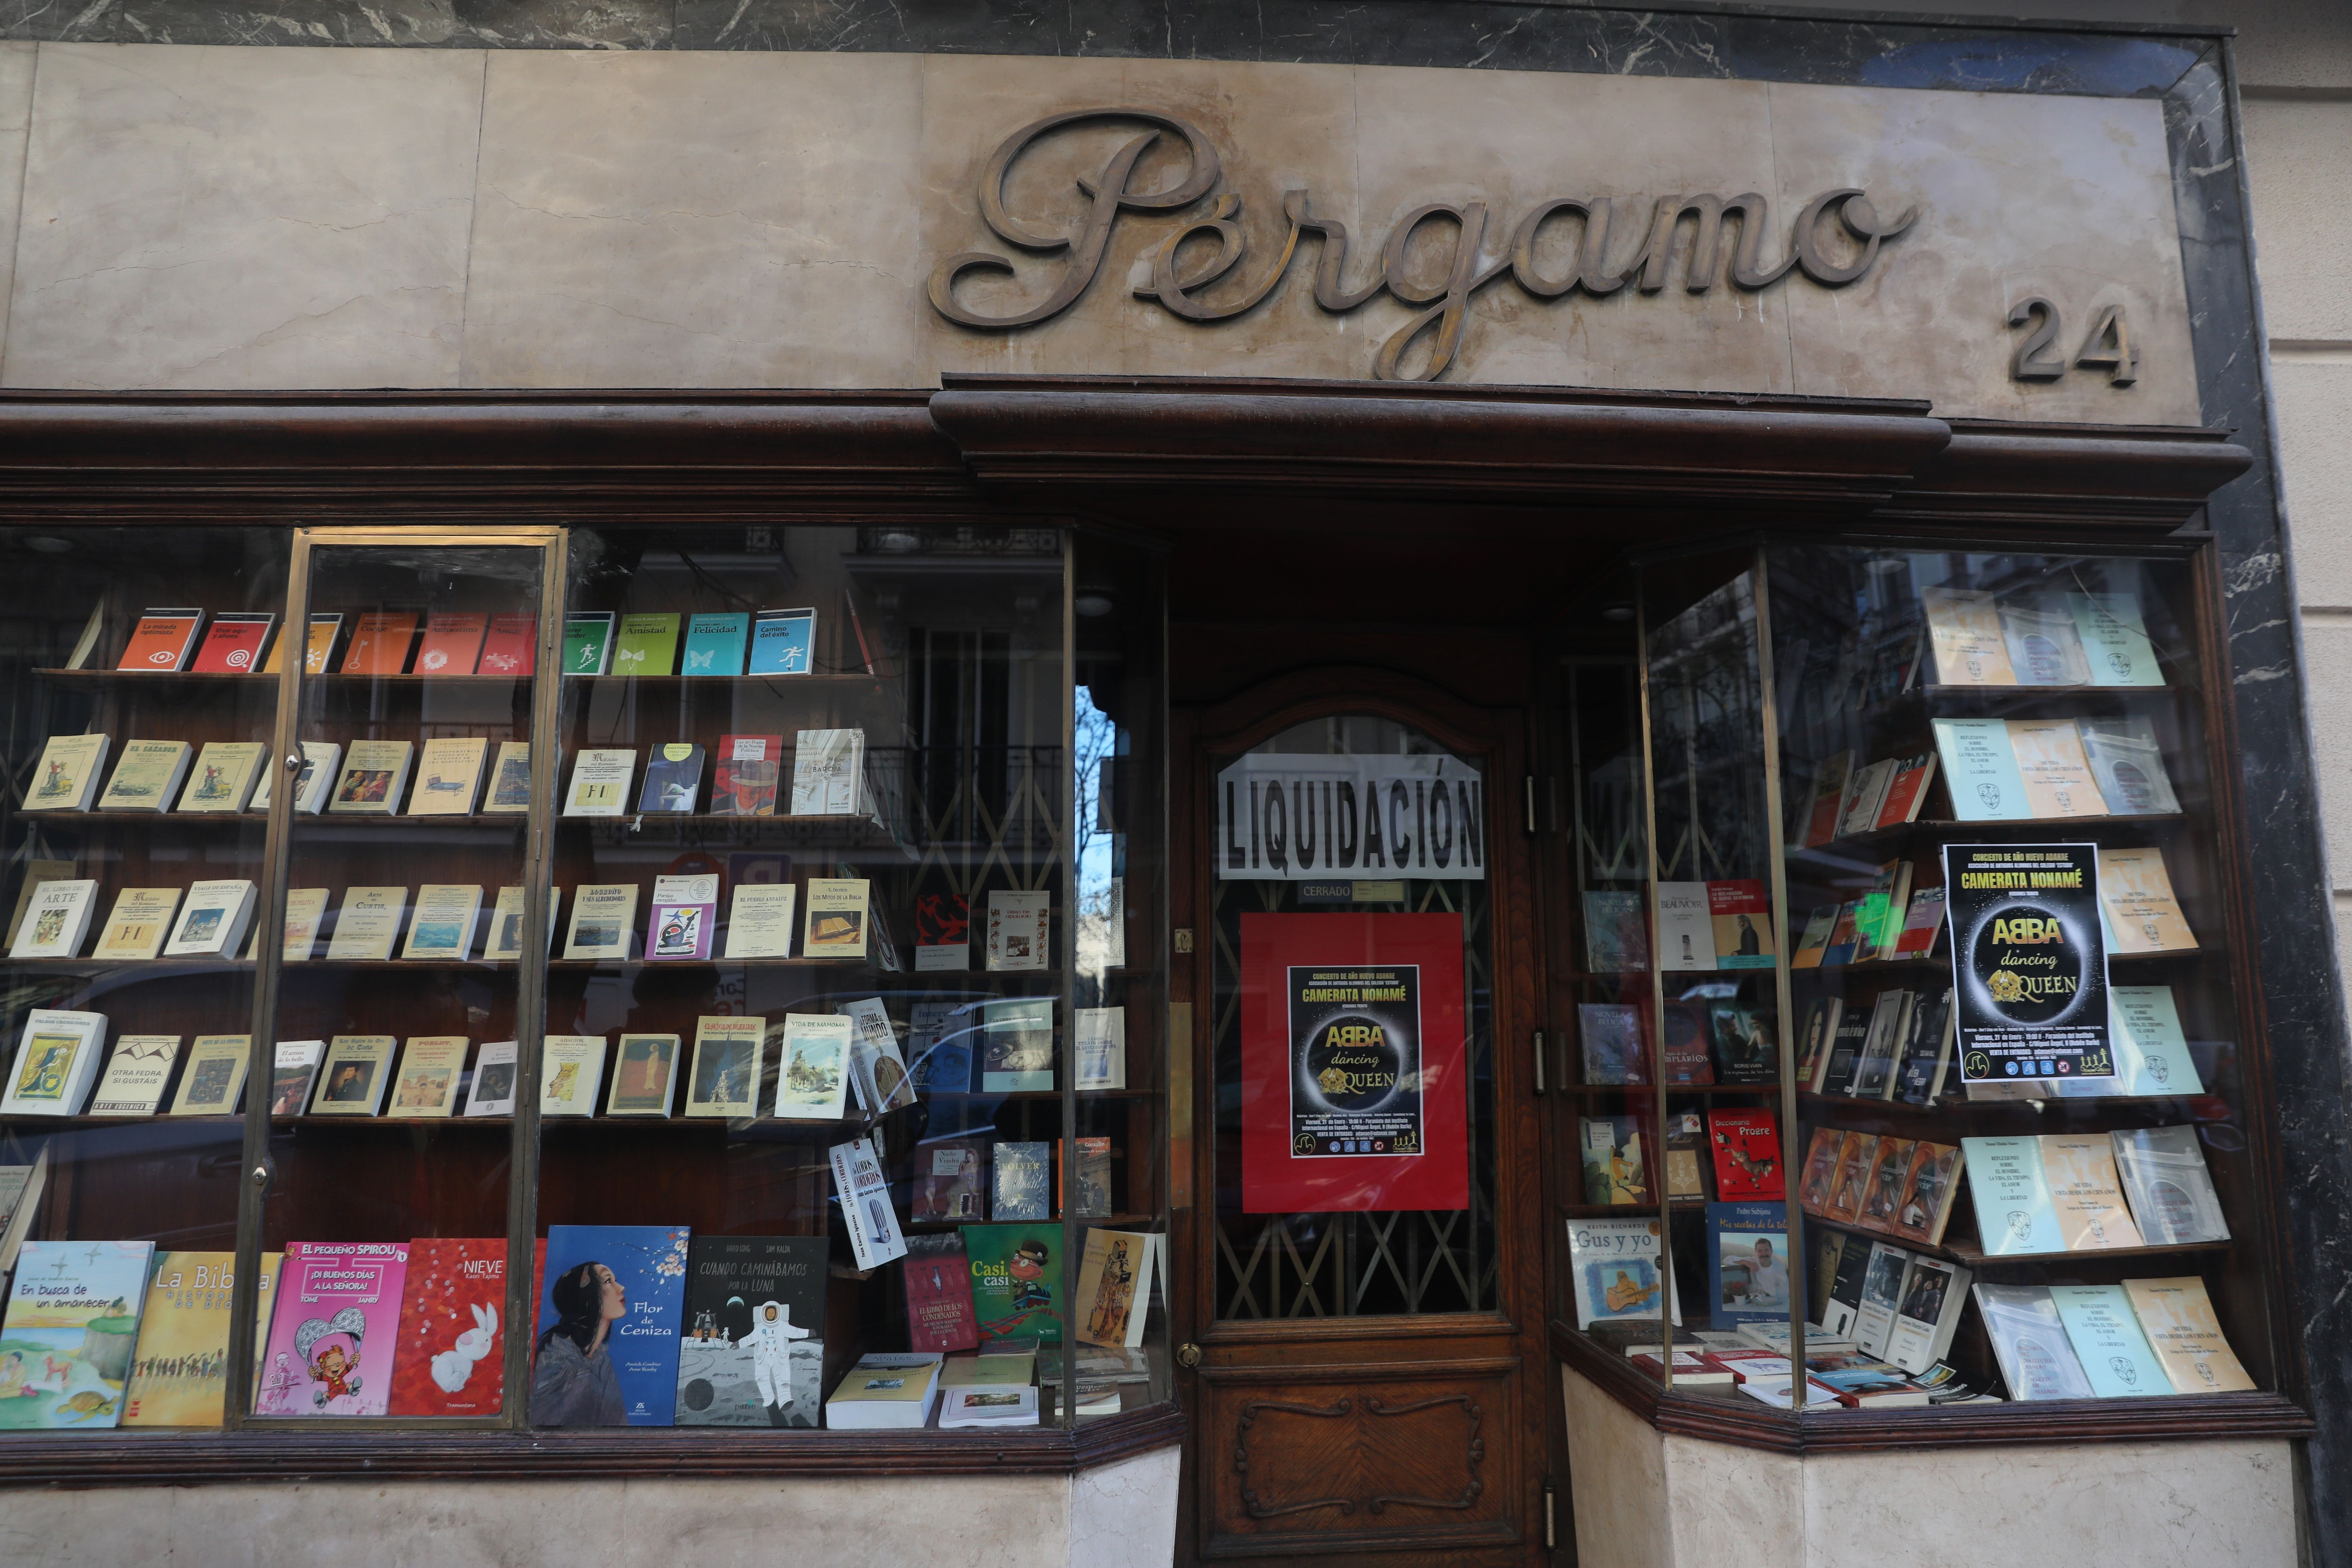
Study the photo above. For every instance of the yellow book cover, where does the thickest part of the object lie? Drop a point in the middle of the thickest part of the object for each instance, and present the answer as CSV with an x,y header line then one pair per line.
x,y
2086,1193
2057,775
1963,627
2136,892
180,1376
429,1070
137,926
2176,1316
146,777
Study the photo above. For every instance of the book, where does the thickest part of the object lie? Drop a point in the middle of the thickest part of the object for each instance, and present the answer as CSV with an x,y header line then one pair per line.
x,y
715,644
1615,1171
316,779
2043,646
1857,1154
649,1262
1745,1049
73,1319
837,919
1099,1048
938,1282
234,642
147,776
2163,1172
306,907
744,776
2115,639
1881,1185
1926,1059
940,1038
1980,770
678,923
1746,1262
1873,1074
1618,1271
885,1393
367,923
380,642
2137,904
509,790
1849,1035
135,929
570,1069
213,1080
331,1333
2114,1354
504,941
161,640
2127,766
587,642
759,920
138,1070
180,1376
1930,1186
1883,1284
783,642
645,1076
213,922
448,776
2006,1183
1020,1181
443,925
293,1068
224,776
317,648
1685,927
1846,937
426,1084
603,917
967,1407
1829,780
600,782
1609,1035
1114,1291
1812,947
751,1350
58,1056
1866,796
1878,919
861,1184
812,1076
2151,1054
1016,1279
450,1358
56,919
647,646
1922,929
725,1077
1747,1149
2056,773
1964,629
828,772
1683,1054
1741,916
942,933
1819,1170
452,644
2086,1193
510,646
374,775
1842,1307
66,776
1815,1038
673,778
2031,1342
354,1076
1017,1045
490,1092
951,1181
1616,933
1906,791
878,1071
37,872
1018,930
2176,1316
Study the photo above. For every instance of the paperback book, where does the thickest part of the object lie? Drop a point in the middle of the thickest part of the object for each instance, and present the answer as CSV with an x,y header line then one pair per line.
x,y
451,1358
72,1322
752,1350
332,1330
649,1263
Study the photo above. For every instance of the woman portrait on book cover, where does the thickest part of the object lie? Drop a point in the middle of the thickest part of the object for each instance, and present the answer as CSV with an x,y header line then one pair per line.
x,y
573,1382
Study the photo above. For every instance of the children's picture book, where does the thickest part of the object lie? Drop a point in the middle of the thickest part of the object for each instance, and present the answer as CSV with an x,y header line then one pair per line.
x,y
714,643
750,1348
648,1263
938,1294
331,1333
451,1358
783,642
673,779
1618,1270
180,1376
1016,1279
72,1322
1115,1279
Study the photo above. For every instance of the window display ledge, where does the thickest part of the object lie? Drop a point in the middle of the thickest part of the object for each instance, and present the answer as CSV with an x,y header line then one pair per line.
x,y
1746,1423
199,1459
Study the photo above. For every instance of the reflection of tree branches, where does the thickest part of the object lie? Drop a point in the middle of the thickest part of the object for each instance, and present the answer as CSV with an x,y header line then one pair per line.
x,y
1096,740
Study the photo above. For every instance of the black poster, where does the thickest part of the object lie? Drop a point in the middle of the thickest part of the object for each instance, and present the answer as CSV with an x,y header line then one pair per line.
x,y
2029,961
1355,1060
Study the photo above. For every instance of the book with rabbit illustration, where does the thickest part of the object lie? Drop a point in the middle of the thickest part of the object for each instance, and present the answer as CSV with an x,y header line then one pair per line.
x,y
451,1358
332,1329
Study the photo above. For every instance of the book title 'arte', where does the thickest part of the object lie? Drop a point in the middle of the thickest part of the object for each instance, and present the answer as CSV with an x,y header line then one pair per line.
x,y
1440,279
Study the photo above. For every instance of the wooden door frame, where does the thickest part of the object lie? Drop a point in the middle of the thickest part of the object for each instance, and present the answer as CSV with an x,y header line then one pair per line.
x,y
1515,1332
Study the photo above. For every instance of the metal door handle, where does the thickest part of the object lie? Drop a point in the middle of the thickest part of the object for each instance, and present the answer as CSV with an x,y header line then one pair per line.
x,y
1188,1356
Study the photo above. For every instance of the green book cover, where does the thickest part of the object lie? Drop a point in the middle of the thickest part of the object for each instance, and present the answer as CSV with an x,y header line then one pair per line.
x,y
1016,1279
648,646
587,643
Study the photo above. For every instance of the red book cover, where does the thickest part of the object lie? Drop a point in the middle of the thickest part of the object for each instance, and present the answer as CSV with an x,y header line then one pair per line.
x,y
451,645
510,647
1829,793
235,645
1903,796
942,920
1686,1053
938,1294
380,642
743,775
161,640
1746,1148
451,1357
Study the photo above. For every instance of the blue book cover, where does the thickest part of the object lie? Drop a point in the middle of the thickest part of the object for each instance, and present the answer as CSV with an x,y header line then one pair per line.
x,y
1980,771
2012,1195
2108,1342
649,1263
1747,1263
783,642
673,778
714,644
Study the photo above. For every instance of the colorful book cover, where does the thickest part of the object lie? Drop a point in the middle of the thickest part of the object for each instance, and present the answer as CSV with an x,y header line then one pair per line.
x,y
673,778
743,778
951,1181
714,644
317,649
1742,918
1881,1189
235,645
1747,1263
380,642
783,642
1744,1048
938,1294
1016,1279
331,1333
751,1348
647,644
1609,1035
942,931
1618,1269
509,646
181,1376
452,1355
587,643
1747,1145
648,1263
1980,769
160,641
452,644
72,1322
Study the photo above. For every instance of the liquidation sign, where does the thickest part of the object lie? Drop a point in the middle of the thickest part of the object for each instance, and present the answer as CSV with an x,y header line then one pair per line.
x,y
2029,961
1284,818
1352,1045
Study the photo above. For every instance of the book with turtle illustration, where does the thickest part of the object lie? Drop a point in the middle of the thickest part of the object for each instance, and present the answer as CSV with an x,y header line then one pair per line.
x,y
72,1323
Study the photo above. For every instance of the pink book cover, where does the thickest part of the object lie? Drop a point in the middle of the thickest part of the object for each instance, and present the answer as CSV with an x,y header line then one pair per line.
x,y
938,1294
451,1360
331,1335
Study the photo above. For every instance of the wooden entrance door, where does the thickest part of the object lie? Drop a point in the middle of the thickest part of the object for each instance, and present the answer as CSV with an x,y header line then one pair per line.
x,y
1363,1384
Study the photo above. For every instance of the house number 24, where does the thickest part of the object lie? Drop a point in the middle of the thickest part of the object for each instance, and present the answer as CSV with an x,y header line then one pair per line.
x,y
2107,346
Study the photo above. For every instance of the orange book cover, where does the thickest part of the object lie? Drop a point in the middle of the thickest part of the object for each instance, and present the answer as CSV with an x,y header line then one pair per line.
x,y
380,642
451,645
161,640
450,1358
324,629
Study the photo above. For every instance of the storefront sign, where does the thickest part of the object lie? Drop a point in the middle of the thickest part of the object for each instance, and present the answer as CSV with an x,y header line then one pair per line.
x,y
2029,961
1313,819
1353,1090
1834,241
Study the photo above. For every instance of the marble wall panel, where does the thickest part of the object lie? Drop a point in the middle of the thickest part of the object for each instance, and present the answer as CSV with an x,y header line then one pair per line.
x,y
229,217
1124,1515
1616,1482
16,67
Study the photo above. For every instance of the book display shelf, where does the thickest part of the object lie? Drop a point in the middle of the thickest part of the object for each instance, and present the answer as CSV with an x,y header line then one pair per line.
x,y
1909,1018
619,977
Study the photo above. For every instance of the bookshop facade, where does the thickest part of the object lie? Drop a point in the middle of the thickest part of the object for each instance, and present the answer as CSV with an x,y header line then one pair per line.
x,y
1369,810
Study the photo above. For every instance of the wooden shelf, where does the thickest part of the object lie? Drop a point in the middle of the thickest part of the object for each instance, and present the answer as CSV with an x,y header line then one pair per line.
x,y
1107,1221
1959,1103
2054,828
94,965
1975,1257
1626,1211
732,682
1597,1089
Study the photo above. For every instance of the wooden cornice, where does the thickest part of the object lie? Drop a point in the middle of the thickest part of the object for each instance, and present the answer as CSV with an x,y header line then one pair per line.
x,y
2133,476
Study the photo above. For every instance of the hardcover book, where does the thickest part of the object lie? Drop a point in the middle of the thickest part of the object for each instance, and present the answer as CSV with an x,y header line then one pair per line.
x,y
952,1182
645,1076
743,778
1618,1270
1746,1262
451,1357
1016,1279
509,790
751,1353
828,772
510,646
135,931
375,773
942,933
331,1333
837,918
1747,1147
56,919
714,644
443,926
491,1090
58,1056
293,1066
137,1070
813,1077
236,643
725,1077
861,1182
452,644
2176,1316
368,923
600,782
673,779
1686,929
448,776
571,1069
1022,1182
1017,1047
2104,1332
759,920
587,642
604,920
1609,1034
224,776
1115,1279
352,1080
380,642
783,642
160,640
73,1319
146,776
649,1263
212,1081
647,646
430,1068
180,1377
66,777
938,1294
2030,1341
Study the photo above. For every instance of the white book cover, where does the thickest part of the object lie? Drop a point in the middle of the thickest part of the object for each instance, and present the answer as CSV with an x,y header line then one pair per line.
x,y
135,929
224,775
56,1058
2168,1185
604,918
863,1188
367,924
2030,1341
828,766
1618,1270
374,776
212,923
56,919
1686,926
2127,764
877,1069
571,1067
600,782
491,1091
146,776
138,1070
814,1072
1019,924
448,776
1932,1299
321,766
306,909
37,870
443,925
759,920
1101,1050
2045,648
66,776
505,939
1882,1293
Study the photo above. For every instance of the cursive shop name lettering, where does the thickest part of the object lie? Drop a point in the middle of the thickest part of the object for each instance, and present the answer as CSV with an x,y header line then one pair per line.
x,y
1442,295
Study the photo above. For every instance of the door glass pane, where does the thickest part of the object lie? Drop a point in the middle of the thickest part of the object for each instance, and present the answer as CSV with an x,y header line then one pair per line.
x,y
1353,1027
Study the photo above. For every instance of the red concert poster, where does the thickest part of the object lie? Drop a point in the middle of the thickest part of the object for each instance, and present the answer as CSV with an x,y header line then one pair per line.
x,y
1354,1083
